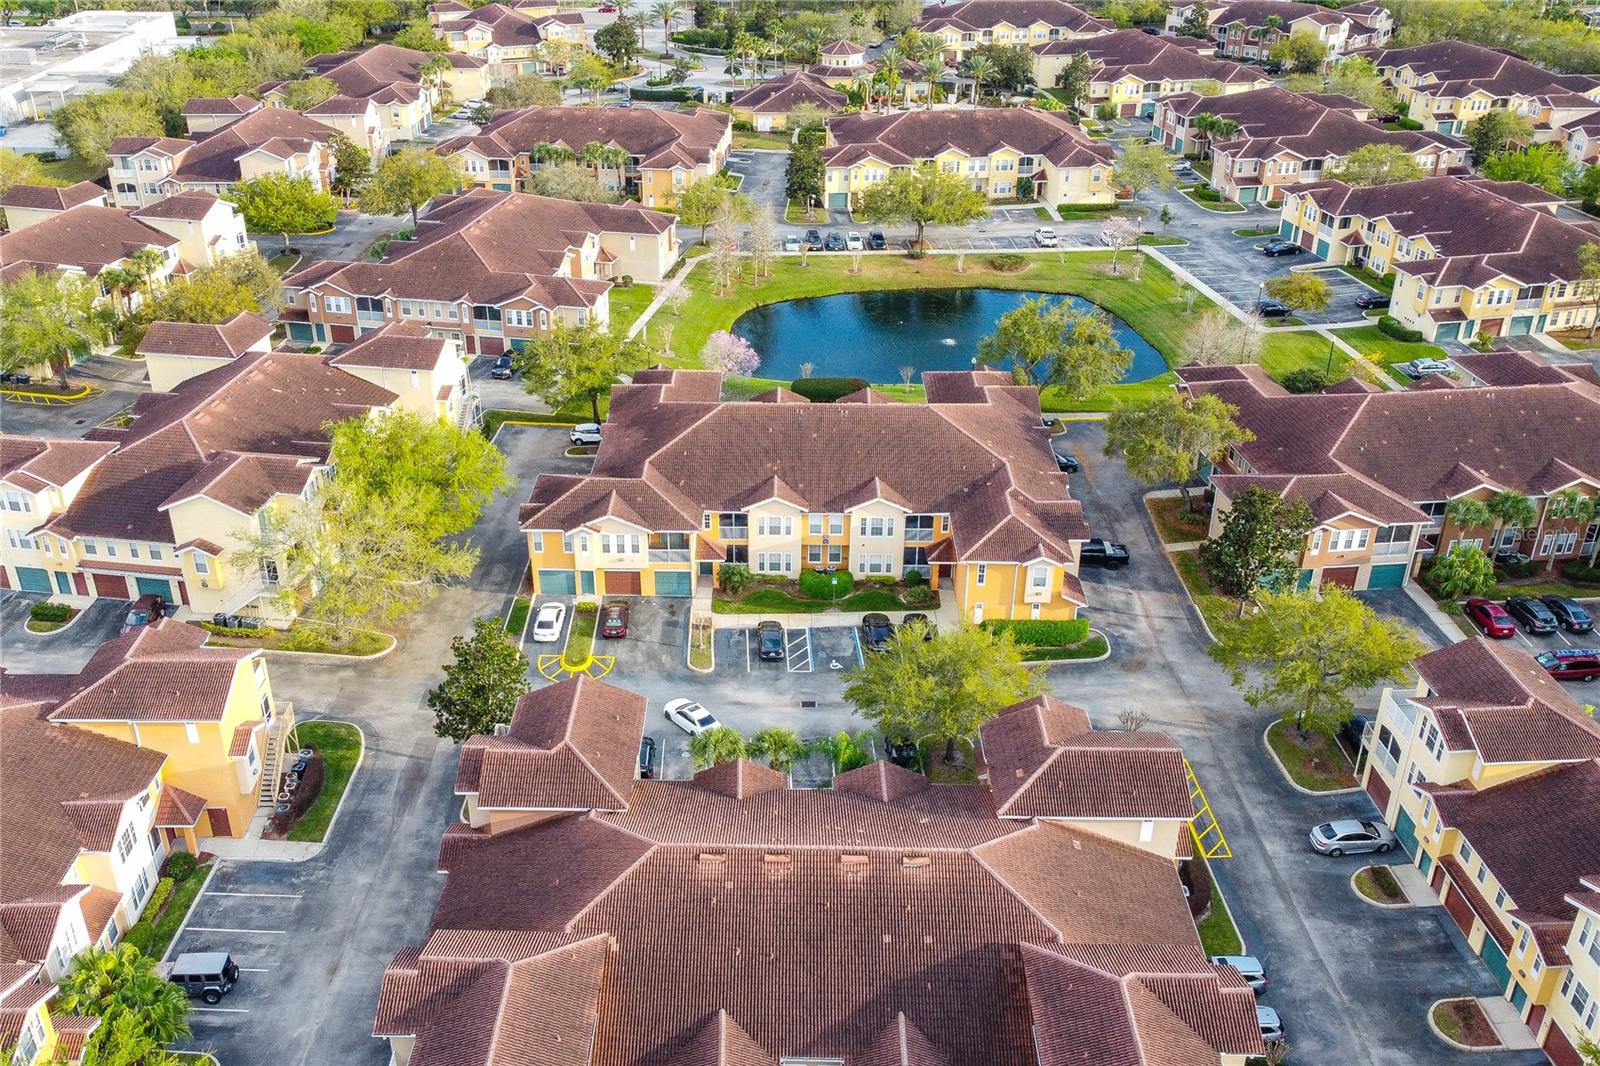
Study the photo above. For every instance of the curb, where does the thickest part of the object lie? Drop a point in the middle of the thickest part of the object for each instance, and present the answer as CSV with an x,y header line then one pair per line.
x,y
345,795
1290,781
1445,1039
82,394
61,629
1048,663
1364,898
216,864
325,656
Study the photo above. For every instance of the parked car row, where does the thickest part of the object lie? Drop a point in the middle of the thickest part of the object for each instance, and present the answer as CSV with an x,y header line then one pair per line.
x,y
1255,975
835,241
1547,614
877,629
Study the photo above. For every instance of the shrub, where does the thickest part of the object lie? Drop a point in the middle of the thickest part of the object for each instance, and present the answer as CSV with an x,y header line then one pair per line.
x,y
1009,263
1304,380
1408,124
822,586
179,865
625,281
733,578
142,935
1105,112
918,596
1040,632
585,608
702,37
826,390
913,578
741,126
158,896
1207,193
239,632
679,94
1391,325
50,612
1578,570
1527,569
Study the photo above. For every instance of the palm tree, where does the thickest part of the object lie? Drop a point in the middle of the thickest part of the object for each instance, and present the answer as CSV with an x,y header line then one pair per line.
x,y
1214,128
1467,514
111,983
889,64
547,152
813,40
780,747
717,745
1570,507
668,12
978,68
1510,510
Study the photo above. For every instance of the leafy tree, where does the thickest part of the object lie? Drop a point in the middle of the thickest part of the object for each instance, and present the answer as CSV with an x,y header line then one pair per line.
x,y
803,183
1119,233
278,203
407,180
1005,66
575,363
1142,166
719,744
1544,165
525,90
1217,338
1259,545
481,687
1302,290
1354,76
123,1042
214,293
1197,23
482,114
49,317
1310,655
1164,438
1589,280
730,353
1461,572
568,181
1585,186
618,41
923,195
704,200
308,92
590,74
352,166
763,242
945,687
780,747
1494,131
120,982
1052,343
88,124
667,12
1380,164
1467,513
1301,52
419,37
1511,509
805,116
18,169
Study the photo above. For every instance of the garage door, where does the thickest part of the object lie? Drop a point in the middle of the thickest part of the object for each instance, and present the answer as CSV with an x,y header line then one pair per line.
x,y
674,583
111,587
1520,326
1495,958
157,586
838,201
1447,331
34,579
1456,903
1388,576
623,583
1405,831
557,583
1343,576
1560,1049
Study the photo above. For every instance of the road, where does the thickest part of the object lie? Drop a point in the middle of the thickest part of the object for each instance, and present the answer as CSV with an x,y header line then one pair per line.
x,y
118,382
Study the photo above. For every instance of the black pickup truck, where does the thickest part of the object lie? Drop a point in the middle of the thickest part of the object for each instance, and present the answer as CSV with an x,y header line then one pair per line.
x,y
1104,553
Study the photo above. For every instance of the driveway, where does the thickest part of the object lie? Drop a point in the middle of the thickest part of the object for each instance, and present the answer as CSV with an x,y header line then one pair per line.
x,y
1351,982
62,652
121,381
353,234
1394,603
1235,268
764,175
315,936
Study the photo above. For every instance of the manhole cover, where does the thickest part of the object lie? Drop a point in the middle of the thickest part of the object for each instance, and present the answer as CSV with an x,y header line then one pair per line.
x,y
1133,664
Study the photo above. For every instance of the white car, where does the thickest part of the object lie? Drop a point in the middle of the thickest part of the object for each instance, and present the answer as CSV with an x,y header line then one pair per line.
x,y
585,433
1421,368
690,717
854,243
791,243
547,623
1271,1025
1045,237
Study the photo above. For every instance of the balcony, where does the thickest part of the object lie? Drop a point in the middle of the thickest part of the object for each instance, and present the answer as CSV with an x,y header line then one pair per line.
x,y
1380,756
1529,305
919,536
733,531
1396,550
670,555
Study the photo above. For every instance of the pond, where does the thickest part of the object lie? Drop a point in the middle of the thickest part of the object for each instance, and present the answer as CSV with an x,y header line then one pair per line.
x,y
871,335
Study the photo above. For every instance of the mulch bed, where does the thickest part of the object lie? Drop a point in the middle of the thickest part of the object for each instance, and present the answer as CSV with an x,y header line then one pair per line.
x,y
1473,1029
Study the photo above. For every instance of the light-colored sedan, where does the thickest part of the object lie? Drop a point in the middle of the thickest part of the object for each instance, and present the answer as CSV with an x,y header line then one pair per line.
x,y
1045,237
853,242
791,243
1352,836
547,623
1249,967
690,717
1421,368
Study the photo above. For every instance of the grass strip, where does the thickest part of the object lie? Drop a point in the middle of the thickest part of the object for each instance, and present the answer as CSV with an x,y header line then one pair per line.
x,y
339,744
1314,761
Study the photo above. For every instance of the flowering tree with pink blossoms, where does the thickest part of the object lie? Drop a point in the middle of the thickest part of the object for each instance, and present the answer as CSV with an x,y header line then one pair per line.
x,y
730,354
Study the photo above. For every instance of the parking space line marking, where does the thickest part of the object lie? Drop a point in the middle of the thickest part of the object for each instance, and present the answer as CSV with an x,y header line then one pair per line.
x,y
254,969
747,666
215,929
220,1010
803,655
257,895
1522,638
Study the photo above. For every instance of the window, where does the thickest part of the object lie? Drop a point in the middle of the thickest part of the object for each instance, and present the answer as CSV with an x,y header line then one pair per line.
x,y
125,843
111,550
519,317
1500,899
141,888
1316,541
1344,540
983,573
155,553
336,305
1038,578
201,565
1147,830
814,522
133,551
191,733
1466,853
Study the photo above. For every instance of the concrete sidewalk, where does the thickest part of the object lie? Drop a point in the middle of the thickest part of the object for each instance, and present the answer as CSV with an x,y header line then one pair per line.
x,y
1507,1022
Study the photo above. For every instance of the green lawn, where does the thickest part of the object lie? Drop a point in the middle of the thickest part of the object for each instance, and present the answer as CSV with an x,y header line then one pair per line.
x,y
1386,351
302,637
1175,522
1579,341
1384,283
1224,206
71,170
518,618
1160,240
496,417
1092,648
794,213
1217,932
1219,610
941,774
1314,761
165,926
580,636
753,139
628,304
1256,231
340,747
765,600
1284,352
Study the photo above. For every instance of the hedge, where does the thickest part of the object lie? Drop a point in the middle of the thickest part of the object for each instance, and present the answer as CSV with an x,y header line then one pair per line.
x,y
702,37
826,390
50,612
679,94
1305,380
821,586
1391,325
1041,633
1577,570
1009,263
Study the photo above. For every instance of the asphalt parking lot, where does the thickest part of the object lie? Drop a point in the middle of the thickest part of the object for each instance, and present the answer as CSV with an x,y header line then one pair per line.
x,y
62,652
1235,268
814,649
763,177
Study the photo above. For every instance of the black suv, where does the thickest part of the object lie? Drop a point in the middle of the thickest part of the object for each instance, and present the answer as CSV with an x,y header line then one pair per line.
x,y
1570,613
1534,616
876,241
835,242
769,641
876,629
648,756
814,240
502,369
1106,553
1273,309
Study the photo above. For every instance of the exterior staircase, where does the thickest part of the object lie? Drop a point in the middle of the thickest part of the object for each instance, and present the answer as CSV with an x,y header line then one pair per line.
x,y
280,745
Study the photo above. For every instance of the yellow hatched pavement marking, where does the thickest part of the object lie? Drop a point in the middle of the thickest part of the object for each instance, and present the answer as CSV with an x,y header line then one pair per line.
x,y
555,668
1207,832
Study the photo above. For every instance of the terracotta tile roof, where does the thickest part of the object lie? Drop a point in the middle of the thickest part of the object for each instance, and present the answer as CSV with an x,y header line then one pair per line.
x,y
1133,53
157,673
370,71
221,105
53,198
44,769
99,907
675,458
721,1041
986,14
28,925
23,988
394,346
1458,68
1330,496
659,139
87,238
1510,368
72,1034
192,205
779,95
50,461
226,341
1461,882
1042,766
571,746
902,1044
506,26
214,157
911,136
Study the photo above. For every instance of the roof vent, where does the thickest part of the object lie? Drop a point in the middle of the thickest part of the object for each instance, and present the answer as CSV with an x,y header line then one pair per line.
x,y
776,857
915,862
707,858
852,860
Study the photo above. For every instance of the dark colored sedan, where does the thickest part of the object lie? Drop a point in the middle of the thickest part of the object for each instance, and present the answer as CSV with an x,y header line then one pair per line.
x,y
814,240
1372,301
648,755
1570,614
1490,617
834,243
876,629
1273,249
1068,462
769,641
503,368
876,241
1534,616
614,621
1273,309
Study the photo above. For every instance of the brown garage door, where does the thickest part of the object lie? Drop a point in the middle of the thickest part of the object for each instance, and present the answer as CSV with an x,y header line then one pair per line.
x,y
109,587
1456,903
1560,1049
1343,576
1378,789
623,583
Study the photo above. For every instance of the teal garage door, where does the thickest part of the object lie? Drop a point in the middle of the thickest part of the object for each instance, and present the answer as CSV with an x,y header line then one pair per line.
x,y
838,201
154,586
674,583
1286,230
63,583
1322,247
1495,959
1447,331
1405,831
1388,576
1520,326
557,583
34,579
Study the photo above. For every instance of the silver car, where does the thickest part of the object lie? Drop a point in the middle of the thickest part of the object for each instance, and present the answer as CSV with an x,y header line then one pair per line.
x,y
1421,368
1352,836
1271,1025
1249,967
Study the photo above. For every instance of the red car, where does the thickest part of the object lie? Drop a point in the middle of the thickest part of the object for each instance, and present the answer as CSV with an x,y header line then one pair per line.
x,y
1492,618
609,9
614,619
